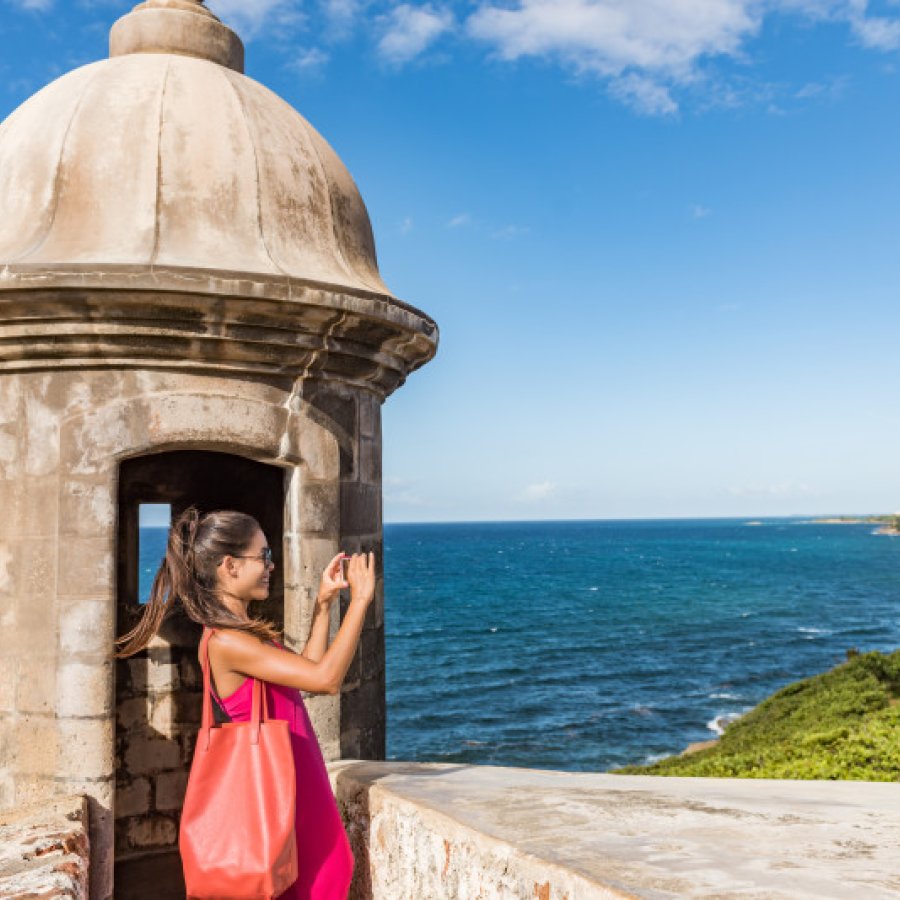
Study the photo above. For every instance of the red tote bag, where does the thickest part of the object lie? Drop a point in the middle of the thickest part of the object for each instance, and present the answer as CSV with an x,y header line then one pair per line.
x,y
237,838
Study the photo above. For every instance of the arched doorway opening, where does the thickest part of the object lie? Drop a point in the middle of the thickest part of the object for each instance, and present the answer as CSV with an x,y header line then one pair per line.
x,y
159,690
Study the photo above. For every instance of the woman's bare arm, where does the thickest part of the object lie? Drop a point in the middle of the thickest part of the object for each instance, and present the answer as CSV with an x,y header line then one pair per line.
x,y
317,641
330,586
245,654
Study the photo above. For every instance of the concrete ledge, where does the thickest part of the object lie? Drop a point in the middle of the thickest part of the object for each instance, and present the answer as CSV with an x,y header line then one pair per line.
x,y
455,831
44,850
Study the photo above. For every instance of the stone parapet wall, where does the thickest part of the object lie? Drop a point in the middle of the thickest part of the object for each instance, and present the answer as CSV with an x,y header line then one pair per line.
x,y
463,832
44,850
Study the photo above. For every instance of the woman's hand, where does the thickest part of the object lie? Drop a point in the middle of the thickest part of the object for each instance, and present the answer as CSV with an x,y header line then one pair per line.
x,y
332,581
361,575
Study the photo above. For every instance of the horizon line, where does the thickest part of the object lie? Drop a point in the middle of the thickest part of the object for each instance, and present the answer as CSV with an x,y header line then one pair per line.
x,y
804,516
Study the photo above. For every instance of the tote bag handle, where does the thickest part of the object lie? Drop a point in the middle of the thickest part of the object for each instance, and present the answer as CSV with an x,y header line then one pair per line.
x,y
206,719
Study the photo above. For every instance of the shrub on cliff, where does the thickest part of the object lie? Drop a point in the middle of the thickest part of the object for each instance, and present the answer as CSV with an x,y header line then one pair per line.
x,y
843,724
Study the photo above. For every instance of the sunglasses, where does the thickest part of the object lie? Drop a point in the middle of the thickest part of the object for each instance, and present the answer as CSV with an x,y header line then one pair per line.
x,y
265,555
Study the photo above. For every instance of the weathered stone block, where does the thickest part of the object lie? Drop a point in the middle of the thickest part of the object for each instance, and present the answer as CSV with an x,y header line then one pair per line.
x,y
40,428
360,508
85,626
36,746
163,677
133,714
163,714
7,789
145,755
170,788
371,651
370,462
152,831
332,406
133,800
36,684
370,417
45,850
87,508
87,748
320,508
8,684
34,568
33,513
84,689
86,564
137,668
319,450
325,714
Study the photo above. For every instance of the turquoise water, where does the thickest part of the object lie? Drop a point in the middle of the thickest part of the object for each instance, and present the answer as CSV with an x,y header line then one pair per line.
x,y
586,645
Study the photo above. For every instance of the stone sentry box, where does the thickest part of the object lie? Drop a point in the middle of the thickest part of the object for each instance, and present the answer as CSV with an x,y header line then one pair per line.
x,y
190,311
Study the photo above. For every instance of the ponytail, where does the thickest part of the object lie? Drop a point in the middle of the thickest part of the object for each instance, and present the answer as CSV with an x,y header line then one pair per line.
x,y
187,575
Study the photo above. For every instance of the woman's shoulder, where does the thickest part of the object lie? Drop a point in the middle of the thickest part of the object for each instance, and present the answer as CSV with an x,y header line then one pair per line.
x,y
229,641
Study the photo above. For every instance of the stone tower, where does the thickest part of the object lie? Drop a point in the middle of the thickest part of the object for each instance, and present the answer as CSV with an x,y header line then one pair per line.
x,y
191,312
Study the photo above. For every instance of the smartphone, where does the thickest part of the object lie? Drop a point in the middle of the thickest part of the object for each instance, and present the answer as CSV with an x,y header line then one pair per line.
x,y
344,562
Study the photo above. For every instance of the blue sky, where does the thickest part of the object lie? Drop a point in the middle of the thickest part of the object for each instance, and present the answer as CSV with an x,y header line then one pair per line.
x,y
660,238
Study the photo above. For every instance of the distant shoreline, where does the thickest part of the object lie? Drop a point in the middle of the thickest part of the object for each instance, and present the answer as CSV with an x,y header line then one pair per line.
x,y
889,524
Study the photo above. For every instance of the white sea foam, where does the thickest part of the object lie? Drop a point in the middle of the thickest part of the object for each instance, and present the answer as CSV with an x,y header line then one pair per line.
x,y
804,630
719,723
654,758
725,696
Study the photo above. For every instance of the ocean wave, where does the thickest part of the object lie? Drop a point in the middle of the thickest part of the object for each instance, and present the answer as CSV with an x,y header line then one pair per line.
x,y
725,696
809,630
655,758
720,722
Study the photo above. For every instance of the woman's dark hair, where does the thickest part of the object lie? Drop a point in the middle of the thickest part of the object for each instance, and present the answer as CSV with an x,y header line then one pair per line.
x,y
187,574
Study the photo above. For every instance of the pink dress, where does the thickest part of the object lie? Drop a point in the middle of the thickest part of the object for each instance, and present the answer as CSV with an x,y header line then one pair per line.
x,y
324,857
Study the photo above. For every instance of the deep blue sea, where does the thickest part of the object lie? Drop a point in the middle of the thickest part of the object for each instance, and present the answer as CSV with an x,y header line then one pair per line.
x,y
587,645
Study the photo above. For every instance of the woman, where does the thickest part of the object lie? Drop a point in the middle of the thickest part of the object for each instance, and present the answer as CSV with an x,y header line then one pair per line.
x,y
216,565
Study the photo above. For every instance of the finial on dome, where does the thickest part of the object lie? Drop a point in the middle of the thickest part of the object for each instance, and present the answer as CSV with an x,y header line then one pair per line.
x,y
183,27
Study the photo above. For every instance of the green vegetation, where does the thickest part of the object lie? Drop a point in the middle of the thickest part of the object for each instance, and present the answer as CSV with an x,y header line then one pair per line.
x,y
844,724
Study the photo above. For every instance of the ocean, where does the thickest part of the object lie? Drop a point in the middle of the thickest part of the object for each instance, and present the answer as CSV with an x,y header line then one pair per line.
x,y
583,646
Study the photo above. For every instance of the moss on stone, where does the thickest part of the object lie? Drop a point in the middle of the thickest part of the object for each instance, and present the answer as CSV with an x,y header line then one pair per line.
x,y
843,724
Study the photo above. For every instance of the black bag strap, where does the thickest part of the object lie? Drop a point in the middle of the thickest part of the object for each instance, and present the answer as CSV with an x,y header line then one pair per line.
x,y
219,713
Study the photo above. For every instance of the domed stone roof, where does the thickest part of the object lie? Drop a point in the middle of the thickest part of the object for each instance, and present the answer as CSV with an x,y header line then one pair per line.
x,y
163,159
165,167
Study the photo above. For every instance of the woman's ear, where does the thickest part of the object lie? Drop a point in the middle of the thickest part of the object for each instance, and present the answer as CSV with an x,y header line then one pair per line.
x,y
226,568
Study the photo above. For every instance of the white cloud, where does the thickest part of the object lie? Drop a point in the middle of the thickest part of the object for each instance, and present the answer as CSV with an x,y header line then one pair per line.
x,y
542,490
879,33
309,59
33,5
252,19
700,212
613,36
647,50
509,231
406,226
410,30
459,221
874,31
644,95
342,16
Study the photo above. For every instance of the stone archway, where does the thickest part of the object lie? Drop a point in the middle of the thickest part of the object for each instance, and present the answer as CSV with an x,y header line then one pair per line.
x,y
158,691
